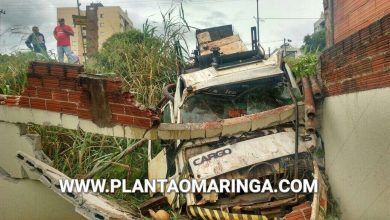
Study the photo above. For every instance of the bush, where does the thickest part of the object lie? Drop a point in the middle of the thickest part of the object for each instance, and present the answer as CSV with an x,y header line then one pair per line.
x,y
304,65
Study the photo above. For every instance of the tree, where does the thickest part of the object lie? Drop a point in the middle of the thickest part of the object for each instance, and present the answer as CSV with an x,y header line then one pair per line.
x,y
315,42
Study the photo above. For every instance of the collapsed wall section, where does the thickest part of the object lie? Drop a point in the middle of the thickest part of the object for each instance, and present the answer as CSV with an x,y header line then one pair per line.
x,y
66,89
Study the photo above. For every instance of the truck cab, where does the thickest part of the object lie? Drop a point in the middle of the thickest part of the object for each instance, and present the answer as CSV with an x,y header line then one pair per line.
x,y
253,114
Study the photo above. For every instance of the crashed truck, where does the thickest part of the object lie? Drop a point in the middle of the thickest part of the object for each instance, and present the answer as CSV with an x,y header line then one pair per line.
x,y
266,129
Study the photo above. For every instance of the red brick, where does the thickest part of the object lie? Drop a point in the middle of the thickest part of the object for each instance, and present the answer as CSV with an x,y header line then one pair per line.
x,y
69,107
70,84
38,103
57,70
117,108
122,119
115,97
60,95
51,83
24,101
84,113
142,122
12,100
34,82
52,105
71,73
74,96
30,91
41,69
44,93
113,85
132,110
84,100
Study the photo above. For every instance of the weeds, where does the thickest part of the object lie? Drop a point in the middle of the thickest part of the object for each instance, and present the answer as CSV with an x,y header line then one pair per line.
x,y
145,60
13,71
76,153
304,65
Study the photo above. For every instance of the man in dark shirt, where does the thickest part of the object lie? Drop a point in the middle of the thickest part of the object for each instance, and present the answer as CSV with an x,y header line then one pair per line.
x,y
37,40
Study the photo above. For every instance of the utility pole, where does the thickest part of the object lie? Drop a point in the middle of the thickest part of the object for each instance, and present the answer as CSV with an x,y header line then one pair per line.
x,y
78,7
258,23
1,12
81,33
284,46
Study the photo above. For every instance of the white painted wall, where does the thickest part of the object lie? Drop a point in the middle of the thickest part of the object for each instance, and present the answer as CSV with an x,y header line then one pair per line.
x,y
30,199
356,134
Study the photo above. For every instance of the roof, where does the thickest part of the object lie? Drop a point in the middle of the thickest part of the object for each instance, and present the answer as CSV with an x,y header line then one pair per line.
x,y
211,76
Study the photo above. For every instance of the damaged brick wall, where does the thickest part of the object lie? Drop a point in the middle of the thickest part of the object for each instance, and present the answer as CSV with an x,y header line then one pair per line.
x,y
351,16
64,88
359,62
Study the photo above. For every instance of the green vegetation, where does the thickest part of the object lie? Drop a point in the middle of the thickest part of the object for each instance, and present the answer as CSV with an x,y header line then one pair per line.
x,y
304,65
76,153
13,71
314,42
145,60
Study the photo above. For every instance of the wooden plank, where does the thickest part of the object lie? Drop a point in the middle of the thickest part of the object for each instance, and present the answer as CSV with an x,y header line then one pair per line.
x,y
220,43
234,47
204,37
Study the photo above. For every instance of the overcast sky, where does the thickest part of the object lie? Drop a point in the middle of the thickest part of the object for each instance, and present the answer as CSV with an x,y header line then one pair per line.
x,y
21,15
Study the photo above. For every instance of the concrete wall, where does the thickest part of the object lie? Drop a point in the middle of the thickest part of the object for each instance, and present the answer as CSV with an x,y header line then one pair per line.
x,y
356,133
30,199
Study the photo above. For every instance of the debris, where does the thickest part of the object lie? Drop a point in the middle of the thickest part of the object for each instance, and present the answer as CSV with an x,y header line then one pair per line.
x,y
310,110
152,203
300,212
317,93
106,164
159,215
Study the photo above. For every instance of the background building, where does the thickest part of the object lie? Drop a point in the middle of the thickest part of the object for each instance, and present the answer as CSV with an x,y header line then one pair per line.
x,y
102,23
319,25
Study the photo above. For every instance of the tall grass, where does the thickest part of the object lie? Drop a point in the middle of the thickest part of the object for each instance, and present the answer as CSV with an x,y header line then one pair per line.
x,y
13,71
145,59
76,153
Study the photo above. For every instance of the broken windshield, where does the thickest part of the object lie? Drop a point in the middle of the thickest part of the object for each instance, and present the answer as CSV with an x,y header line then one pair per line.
x,y
235,100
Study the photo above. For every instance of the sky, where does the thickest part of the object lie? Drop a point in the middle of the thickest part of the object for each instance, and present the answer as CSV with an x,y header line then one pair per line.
x,y
279,19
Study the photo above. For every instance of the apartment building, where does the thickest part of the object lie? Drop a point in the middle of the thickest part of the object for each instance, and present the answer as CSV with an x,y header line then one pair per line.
x,y
102,23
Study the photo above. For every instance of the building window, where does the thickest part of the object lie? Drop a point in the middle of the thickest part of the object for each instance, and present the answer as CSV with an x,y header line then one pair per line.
x,y
101,15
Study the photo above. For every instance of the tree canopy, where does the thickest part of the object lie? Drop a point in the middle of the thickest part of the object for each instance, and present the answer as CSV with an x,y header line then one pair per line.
x,y
314,42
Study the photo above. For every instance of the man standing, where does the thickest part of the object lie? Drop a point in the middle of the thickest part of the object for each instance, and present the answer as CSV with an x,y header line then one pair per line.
x,y
37,40
62,33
